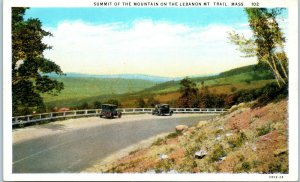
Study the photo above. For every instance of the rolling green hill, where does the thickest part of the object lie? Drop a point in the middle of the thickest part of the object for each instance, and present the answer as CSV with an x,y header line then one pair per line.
x,y
88,90
246,74
78,89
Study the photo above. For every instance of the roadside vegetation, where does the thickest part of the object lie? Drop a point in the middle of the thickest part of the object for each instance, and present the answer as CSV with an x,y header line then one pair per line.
x,y
247,140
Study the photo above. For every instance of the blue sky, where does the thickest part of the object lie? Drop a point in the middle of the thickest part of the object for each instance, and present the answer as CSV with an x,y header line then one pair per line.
x,y
156,41
189,16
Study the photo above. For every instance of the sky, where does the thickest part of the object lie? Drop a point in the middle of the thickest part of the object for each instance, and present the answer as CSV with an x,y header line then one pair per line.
x,y
172,42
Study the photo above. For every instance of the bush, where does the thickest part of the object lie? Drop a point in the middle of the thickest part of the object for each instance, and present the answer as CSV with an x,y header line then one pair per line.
x,y
217,153
84,105
248,81
264,130
278,166
268,93
165,165
187,164
233,89
173,135
271,92
97,104
246,166
237,140
159,141
141,103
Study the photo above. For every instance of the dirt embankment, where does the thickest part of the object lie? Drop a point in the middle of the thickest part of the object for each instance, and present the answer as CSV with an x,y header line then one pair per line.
x,y
245,140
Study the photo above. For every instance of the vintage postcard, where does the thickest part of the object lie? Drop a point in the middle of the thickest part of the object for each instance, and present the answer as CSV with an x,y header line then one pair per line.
x,y
196,90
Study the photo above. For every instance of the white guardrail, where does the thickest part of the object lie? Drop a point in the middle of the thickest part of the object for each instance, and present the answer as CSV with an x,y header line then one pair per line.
x,y
95,112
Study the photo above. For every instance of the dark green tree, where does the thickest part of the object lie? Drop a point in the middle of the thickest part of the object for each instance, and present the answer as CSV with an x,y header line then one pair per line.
x,y
141,103
189,93
84,105
29,66
97,104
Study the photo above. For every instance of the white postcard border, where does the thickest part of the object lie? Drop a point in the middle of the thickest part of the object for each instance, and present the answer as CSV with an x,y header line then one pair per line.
x,y
7,103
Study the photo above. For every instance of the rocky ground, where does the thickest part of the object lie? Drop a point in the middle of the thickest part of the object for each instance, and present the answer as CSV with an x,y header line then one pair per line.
x,y
247,139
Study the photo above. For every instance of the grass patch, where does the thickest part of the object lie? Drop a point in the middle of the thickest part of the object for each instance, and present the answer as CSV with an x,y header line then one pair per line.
x,y
165,165
159,141
264,129
246,166
173,135
237,140
217,153
134,151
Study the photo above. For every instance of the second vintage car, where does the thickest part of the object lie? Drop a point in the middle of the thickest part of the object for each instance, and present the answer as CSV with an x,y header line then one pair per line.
x,y
109,111
162,109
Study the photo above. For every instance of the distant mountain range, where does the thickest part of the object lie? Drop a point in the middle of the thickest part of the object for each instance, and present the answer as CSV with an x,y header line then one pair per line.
x,y
157,79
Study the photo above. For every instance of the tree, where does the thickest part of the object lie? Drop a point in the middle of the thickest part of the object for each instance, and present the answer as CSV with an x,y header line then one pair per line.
x,y
141,103
29,66
84,105
205,98
97,104
267,43
189,93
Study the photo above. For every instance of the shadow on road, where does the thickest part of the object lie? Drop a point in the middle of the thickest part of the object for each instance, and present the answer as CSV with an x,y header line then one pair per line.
x,y
53,126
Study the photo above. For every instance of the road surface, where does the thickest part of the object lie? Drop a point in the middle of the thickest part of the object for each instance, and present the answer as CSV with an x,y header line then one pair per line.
x,y
72,145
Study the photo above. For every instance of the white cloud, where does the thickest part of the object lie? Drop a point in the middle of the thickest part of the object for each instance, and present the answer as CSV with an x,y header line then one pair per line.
x,y
148,47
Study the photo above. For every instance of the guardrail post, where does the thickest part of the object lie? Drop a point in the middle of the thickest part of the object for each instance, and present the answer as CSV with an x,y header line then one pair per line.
x,y
28,118
85,112
40,116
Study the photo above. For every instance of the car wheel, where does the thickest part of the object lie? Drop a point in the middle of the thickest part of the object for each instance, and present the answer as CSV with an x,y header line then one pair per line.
x,y
101,116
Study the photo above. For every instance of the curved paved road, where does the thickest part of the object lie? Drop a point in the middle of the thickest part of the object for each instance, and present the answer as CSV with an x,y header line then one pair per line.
x,y
73,145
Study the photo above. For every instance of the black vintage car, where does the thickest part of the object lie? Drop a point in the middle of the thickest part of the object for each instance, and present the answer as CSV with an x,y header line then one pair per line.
x,y
162,109
109,111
